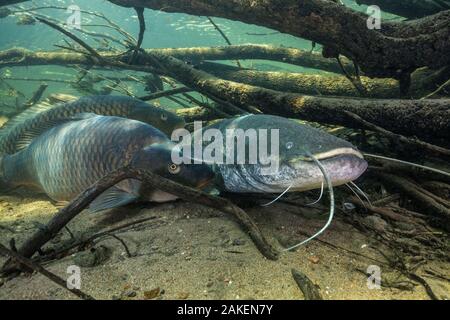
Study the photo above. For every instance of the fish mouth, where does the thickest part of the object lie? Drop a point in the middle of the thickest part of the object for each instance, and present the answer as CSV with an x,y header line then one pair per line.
x,y
342,165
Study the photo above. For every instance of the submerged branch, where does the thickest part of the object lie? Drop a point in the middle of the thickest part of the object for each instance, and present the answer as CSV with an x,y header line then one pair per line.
x,y
427,119
151,180
339,29
35,267
292,56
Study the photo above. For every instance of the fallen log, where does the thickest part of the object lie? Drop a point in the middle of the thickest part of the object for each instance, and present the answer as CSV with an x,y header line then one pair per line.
x,y
308,83
423,118
338,28
197,55
426,119
292,56
390,52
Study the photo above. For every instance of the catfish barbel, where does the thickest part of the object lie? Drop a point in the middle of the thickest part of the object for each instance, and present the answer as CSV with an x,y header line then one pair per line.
x,y
296,143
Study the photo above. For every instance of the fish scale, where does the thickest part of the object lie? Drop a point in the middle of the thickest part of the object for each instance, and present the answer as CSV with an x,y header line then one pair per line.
x,y
66,159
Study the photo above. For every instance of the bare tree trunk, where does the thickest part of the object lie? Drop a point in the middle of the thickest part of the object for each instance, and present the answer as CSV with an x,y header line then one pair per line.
x,y
340,29
428,119
257,51
423,118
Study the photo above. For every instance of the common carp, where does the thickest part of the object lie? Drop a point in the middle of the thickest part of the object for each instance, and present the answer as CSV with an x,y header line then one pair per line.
x,y
296,143
66,159
18,131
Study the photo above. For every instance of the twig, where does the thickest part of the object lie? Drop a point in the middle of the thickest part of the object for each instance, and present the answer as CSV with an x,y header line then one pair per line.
x,y
425,284
430,202
51,276
396,138
36,96
84,243
123,244
223,36
69,232
116,27
309,289
440,88
355,81
140,14
72,36
165,93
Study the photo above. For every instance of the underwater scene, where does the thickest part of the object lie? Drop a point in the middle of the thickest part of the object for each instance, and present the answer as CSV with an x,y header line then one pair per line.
x,y
224,150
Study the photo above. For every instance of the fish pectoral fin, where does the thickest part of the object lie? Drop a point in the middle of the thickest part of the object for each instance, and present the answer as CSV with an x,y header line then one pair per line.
x,y
112,198
50,102
28,136
61,204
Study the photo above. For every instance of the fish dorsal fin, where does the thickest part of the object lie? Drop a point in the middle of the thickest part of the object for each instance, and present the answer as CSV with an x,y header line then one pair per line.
x,y
49,103
124,193
28,136
24,116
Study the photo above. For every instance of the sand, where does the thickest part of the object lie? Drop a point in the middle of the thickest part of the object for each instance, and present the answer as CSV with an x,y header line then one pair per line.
x,y
192,252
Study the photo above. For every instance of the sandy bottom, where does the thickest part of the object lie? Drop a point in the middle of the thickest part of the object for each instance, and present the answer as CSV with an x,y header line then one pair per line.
x,y
192,252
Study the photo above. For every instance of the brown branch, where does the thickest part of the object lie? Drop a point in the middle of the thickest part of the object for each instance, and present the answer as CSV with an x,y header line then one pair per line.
x,y
413,143
309,289
71,36
429,202
426,119
379,53
165,93
292,56
65,215
224,36
409,116
142,26
51,276
83,243
37,95
313,84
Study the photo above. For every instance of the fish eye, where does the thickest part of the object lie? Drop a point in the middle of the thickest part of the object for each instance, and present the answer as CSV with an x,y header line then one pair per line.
x,y
164,116
174,169
289,145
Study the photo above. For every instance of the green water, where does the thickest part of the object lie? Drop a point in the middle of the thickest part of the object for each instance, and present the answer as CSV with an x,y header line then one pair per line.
x,y
164,30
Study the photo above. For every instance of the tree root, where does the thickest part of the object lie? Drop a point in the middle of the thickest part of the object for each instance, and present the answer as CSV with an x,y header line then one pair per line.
x,y
35,267
428,201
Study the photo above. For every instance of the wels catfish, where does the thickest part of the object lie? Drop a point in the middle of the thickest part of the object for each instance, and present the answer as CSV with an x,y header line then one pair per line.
x,y
66,159
296,170
17,132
